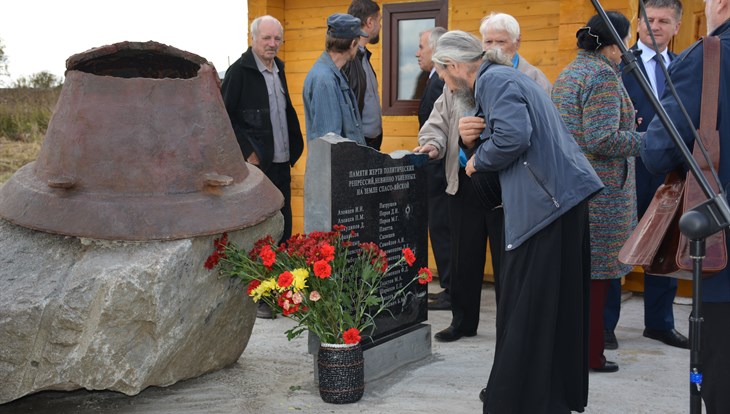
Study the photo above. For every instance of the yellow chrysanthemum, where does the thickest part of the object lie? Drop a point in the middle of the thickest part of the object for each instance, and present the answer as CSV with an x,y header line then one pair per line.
x,y
263,289
300,279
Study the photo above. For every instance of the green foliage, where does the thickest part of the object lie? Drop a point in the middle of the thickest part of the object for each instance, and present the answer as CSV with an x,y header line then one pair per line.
x,y
40,80
3,63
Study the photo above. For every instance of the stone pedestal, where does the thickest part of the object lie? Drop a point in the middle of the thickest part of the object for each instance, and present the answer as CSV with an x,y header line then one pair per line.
x,y
122,316
390,353
379,198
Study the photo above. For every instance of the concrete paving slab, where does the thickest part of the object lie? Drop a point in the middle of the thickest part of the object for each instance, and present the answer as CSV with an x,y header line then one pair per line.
x,y
276,376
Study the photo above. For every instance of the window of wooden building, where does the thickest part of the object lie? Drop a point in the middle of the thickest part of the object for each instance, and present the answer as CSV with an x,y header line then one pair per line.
x,y
403,80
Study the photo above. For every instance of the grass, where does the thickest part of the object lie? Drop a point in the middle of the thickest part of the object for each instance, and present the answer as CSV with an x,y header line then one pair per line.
x,y
24,116
14,154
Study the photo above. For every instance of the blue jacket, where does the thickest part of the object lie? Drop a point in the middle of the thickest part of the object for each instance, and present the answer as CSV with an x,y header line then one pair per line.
x,y
658,151
542,171
329,104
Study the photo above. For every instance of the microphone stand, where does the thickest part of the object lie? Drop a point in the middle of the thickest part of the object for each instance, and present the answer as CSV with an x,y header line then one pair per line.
x,y
697,224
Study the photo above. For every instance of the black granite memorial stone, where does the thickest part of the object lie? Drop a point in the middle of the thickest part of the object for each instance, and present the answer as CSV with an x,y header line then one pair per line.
x,y
379,198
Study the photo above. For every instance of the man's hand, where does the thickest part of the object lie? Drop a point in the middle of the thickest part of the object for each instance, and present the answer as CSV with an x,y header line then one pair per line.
x,y
470,128
470,167
253,159
429,149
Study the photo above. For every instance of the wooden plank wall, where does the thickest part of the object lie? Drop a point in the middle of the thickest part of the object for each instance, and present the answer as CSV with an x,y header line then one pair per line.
x,y
548,41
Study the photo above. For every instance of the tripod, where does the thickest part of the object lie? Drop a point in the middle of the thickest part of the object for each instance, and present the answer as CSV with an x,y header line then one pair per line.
x,y
699,223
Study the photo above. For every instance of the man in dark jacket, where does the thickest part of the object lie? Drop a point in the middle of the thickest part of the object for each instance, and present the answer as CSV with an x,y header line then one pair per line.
x,y
361,75
257,100
660,156
438,200
659,291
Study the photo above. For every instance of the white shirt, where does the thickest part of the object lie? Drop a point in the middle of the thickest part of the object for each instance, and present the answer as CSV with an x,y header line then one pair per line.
x,y
647,57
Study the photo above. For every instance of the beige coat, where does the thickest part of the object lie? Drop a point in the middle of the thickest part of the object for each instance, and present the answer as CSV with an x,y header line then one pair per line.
x,y
442,127
535,74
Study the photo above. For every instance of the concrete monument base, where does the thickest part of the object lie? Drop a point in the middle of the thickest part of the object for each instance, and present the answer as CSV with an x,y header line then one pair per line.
x,y
388,353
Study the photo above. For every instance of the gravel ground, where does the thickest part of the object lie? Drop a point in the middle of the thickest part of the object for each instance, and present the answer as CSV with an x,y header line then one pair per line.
x,y
275,376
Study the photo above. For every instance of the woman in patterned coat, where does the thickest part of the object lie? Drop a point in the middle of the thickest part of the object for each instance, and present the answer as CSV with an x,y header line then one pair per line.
x,y
598,111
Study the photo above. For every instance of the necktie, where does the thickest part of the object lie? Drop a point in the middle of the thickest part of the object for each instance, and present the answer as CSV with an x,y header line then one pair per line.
x,y
659,75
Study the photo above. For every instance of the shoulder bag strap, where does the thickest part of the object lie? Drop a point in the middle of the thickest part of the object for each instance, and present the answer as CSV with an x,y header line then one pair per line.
x,y
716,249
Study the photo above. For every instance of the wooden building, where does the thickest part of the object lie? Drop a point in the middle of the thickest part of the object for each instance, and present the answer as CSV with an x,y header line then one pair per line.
x,y
547,41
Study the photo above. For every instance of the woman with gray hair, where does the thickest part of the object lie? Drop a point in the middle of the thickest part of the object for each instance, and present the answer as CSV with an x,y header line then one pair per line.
x,y
545,183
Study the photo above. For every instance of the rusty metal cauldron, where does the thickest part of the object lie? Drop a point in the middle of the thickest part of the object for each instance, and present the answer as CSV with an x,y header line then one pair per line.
x,y
139,147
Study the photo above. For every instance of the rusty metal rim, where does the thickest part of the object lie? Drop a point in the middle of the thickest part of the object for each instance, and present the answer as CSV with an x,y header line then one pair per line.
x,y
124,216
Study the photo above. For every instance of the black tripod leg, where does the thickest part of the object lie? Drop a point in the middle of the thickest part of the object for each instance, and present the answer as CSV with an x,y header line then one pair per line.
x,y
697,253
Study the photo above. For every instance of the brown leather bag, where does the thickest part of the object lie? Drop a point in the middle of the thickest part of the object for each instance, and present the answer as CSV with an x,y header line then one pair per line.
x,y
656,243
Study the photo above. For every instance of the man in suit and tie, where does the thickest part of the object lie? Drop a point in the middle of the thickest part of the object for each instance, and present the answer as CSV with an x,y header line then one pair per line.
x,y
438,203
664,17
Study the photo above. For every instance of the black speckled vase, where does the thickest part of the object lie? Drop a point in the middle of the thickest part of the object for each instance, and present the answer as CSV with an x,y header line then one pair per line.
x,y
341,373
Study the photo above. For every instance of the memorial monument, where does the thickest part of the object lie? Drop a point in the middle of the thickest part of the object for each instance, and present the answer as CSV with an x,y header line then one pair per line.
x,y
379,198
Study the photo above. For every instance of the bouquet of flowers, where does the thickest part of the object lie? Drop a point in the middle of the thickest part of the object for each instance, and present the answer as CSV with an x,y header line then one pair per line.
x,y
320,280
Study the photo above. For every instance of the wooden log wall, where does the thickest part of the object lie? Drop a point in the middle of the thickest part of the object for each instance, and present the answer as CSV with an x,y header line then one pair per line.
x,y
548,41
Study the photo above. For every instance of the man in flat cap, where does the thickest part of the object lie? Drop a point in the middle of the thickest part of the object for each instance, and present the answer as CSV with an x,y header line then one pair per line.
x,y
329,103
361,75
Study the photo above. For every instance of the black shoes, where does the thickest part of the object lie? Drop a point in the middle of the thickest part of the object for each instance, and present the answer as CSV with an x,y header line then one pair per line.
x,y
609,339
483,394
607,367
670,337
452,334
439,301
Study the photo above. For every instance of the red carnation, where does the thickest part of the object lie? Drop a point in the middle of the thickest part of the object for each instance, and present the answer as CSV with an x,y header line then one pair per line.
x,y
285,279
220,244
424,275
292,309
351,336
251,286
327,252
268,256
287,306
212,260
322,269
409,256
369,247
258,245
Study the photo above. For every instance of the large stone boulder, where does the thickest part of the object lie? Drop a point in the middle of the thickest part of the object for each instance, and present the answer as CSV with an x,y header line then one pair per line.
x,y
78,313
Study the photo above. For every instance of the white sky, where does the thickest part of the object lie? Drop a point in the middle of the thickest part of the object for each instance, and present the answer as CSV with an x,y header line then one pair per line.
x,y
41,34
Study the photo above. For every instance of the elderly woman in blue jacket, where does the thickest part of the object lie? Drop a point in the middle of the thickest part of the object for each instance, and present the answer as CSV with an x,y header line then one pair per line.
x,y
546,181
